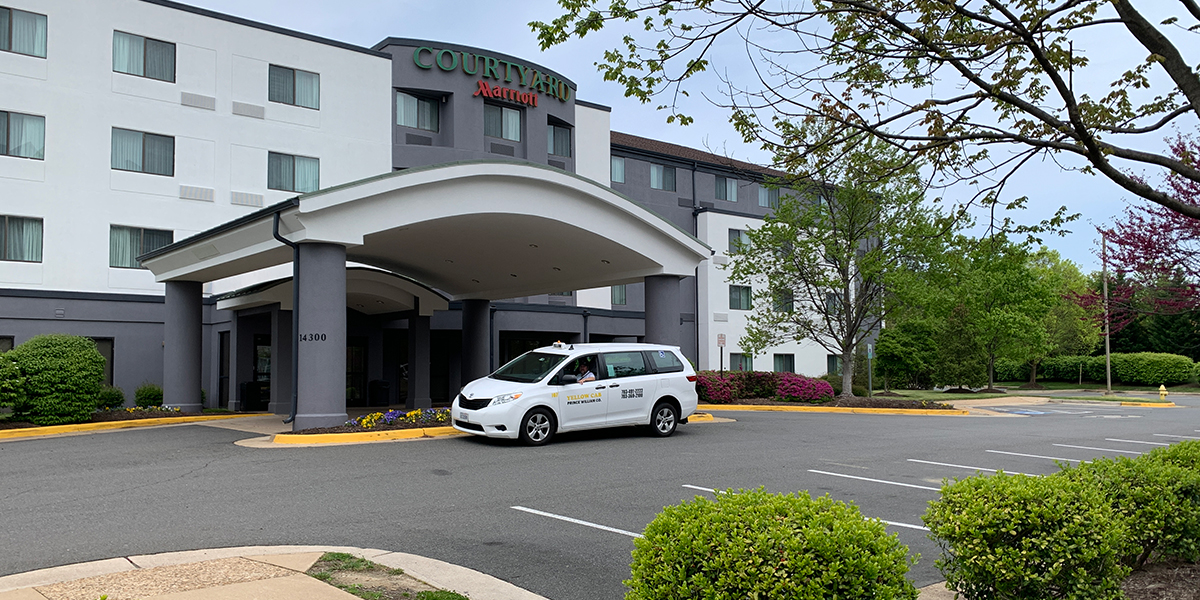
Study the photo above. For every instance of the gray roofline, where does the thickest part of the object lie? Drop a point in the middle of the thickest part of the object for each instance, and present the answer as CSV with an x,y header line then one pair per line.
x,y
395,41
687,162
223,227
587,104
266,285
204,12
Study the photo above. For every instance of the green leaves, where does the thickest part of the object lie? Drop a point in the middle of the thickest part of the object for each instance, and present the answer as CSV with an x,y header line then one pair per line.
x,y
61,379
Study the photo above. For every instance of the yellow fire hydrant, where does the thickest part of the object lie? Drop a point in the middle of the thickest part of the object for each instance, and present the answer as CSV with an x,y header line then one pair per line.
x,y
1162,393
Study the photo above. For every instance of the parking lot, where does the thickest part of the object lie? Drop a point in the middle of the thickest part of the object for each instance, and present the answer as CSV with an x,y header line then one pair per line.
x,y
558,520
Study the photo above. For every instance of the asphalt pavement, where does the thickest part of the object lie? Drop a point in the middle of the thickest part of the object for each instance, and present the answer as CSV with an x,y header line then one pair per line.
x,y
557,520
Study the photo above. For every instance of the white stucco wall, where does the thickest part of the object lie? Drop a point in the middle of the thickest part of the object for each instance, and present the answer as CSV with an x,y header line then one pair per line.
x,y
592,144
78,195
714,316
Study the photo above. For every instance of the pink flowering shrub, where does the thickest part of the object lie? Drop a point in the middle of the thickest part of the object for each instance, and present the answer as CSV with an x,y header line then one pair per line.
x,y
755,384
712,388
798,388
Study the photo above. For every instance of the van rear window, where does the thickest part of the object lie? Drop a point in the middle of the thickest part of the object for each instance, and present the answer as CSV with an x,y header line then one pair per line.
x,y
665,361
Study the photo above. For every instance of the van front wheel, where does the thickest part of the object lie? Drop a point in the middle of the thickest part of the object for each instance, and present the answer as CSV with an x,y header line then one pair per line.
x,y
537,427
664,419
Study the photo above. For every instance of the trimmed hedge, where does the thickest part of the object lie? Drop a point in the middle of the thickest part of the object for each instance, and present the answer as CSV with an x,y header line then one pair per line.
x,y
148,394
1140,368
11,381
1151,368
110,397
62,375
1021,537
1007,369
754,544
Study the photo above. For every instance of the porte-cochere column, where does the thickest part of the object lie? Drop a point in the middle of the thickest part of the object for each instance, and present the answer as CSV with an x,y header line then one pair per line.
x,y
321,398
182,345
662,310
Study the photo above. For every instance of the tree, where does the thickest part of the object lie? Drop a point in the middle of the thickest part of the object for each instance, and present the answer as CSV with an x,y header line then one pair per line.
x,y
827,260
973,88
1071,329
905,353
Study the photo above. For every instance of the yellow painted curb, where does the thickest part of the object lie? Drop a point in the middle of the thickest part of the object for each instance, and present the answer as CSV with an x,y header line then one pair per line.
x,y
700,417
833,409
83,427
1147,404
365,436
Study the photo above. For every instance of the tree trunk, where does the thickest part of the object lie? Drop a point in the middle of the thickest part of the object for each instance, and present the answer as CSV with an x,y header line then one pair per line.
x,y
991,371
1033,372
848,373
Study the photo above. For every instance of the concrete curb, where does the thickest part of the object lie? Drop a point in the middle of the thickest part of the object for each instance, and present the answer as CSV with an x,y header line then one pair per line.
x,y
110,425
833,409
469,582
1052,400
365,436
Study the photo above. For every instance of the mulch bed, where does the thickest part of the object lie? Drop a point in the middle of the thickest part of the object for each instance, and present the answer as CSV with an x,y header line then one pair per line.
x,y
1165,581
856,402
357,429
111,415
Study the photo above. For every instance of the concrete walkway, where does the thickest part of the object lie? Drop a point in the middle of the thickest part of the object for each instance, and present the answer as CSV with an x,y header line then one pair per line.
x,y
245,573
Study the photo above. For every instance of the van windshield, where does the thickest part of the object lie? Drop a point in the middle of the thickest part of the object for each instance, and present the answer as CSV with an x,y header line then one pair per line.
x,y
529,367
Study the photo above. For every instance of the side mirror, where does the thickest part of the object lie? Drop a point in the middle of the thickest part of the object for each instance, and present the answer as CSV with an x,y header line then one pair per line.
x,y
568,379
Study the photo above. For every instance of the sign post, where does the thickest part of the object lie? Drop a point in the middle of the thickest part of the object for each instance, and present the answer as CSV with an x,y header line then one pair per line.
x,y
721,351
870,371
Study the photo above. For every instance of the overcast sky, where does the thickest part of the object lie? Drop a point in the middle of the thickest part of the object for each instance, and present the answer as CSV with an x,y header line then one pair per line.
x,y
502,27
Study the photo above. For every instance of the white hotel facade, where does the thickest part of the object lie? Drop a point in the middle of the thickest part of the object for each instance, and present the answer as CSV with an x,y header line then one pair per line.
x,y
129,125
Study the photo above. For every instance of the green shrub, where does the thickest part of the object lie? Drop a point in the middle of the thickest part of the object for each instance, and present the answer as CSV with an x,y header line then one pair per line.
x,y
62,375
1067,368
1184,454
1012,370
148,394
1159,501
755,384
753,544
110,397
1019,537
11,381
1151,368
835,381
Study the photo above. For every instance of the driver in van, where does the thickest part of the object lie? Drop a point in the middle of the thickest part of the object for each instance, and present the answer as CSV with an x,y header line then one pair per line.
x,y
585,374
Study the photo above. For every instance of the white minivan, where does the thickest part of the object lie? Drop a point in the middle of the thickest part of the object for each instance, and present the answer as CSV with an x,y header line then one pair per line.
x,y
569,387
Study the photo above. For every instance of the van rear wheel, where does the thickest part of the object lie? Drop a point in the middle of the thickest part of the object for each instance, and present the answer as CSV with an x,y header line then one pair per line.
x,y
664,419
537,427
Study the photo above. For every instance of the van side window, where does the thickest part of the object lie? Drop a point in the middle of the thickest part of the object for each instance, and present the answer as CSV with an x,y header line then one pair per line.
x,y
624,364
665,361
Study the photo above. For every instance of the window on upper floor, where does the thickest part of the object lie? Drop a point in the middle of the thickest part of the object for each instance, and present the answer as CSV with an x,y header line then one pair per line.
x,y
293,86
739,297
727,189
143,152
417,112
617,169
785,363
22,135
662,178
738,238
618,295
502,122
125,244
785,301
22,32
768,197
144,57
293,173
20,239
558,140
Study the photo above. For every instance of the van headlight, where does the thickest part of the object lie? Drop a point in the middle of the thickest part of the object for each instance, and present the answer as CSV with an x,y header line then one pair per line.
x,y
505,399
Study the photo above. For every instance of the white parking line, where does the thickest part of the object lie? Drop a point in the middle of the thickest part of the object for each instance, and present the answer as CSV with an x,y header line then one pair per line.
x,y
1097,449
894,523
919,487
930,462
1182,437
577,521
1136,442
1035,456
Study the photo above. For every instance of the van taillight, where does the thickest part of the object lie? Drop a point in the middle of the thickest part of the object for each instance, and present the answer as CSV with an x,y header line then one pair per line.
x,y
692,378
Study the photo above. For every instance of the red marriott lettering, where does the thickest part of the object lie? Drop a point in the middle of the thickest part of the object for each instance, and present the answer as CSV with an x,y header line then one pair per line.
x,y
489,91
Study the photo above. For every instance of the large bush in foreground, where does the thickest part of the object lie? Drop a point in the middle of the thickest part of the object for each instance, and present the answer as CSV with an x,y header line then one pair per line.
x,y
753,544
62,375
11,382
1019,537
798,388
713,388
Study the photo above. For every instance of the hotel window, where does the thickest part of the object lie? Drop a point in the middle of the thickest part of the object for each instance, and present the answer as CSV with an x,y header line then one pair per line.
x,y
618,295
833,364
727,189
293,86
502,122
662,178
739,297
768,197
125,244
6,343
559,140
785,363
618,169
144,57
293,173
419,113
785,301
740,362
22,32
22,135
20,239
738,239
561,294
143,152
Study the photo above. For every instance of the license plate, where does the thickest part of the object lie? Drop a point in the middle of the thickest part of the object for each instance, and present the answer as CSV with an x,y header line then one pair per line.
x,y
462,416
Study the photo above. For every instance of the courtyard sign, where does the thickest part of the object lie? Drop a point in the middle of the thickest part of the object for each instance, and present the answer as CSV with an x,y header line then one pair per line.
x,y
498,70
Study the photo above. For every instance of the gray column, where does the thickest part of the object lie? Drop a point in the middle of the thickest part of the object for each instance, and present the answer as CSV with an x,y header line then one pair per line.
x,y
662,310
477,340
322,360
281,362
183,346
418,363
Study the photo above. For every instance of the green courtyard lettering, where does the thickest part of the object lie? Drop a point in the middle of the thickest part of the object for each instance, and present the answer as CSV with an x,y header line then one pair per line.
x,y
487,67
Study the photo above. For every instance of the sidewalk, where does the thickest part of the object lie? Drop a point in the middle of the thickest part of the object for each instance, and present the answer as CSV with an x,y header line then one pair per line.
x,y
245,573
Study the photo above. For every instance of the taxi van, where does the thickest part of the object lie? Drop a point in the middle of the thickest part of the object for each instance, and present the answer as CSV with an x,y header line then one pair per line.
x,y
570,387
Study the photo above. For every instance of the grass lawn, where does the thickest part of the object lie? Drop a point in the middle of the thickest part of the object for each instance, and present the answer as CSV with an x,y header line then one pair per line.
x,y
1087,385
941,396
